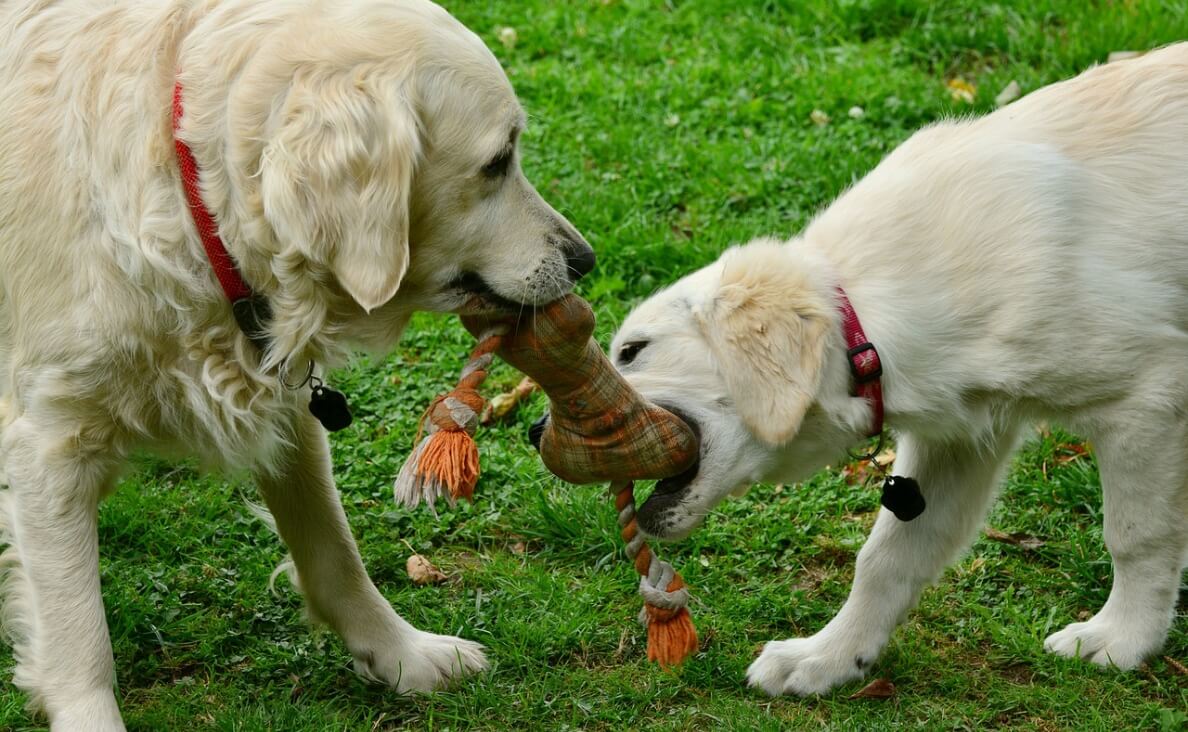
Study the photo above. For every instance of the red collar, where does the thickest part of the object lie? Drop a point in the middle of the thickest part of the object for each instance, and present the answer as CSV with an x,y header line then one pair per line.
x,y
250,310
865,365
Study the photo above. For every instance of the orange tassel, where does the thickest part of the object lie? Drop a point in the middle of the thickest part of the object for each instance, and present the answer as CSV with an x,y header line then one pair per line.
x,y
671,635
446,463
451,458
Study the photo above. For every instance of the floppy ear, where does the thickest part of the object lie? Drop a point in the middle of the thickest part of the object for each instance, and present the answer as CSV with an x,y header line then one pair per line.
x,y
767,331
336,182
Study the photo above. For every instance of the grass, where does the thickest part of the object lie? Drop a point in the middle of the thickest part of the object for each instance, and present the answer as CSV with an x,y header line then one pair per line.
x,y
666,131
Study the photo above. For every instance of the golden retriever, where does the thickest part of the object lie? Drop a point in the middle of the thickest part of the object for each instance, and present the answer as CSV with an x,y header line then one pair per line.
x,y
360,160
1028,265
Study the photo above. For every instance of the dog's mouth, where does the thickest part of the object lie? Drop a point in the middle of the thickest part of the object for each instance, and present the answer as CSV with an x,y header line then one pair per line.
x,y
481,298
654,514
671,491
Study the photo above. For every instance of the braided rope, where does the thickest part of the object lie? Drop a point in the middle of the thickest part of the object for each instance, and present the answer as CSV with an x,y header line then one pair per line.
x,y
444,464
671,637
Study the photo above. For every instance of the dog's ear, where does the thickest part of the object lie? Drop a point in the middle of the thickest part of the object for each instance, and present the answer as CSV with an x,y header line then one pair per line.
x,y
767,331
337,178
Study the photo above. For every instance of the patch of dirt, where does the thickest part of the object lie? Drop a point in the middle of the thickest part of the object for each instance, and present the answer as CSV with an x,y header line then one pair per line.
x,y
1020,674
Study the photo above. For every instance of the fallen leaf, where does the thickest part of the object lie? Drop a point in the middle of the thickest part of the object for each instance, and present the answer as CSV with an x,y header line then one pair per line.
x,y
856,473
885,458
1122,55
422,572
819,118
519,548
1009,93
859,472
1023,541
1071,451
961,90
877,689
502,405
297,689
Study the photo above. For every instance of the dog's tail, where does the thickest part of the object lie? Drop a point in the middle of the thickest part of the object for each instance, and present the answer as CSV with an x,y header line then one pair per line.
x,y
286,566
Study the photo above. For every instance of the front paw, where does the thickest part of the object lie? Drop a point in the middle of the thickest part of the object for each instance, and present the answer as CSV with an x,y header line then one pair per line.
x,y
422,662
805,666
1106,643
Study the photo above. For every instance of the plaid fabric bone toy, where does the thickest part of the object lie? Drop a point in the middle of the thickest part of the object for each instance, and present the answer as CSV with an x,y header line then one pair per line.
x,y
600,429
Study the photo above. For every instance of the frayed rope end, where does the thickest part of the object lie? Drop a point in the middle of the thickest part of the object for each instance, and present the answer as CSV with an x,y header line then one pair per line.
x,y
671,636
444,464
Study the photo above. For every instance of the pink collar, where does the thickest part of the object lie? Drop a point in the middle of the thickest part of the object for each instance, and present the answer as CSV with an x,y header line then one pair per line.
x,y
250,310
865,365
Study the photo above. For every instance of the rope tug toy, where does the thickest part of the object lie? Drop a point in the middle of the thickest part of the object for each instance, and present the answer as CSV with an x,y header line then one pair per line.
x,y
599,430
446,462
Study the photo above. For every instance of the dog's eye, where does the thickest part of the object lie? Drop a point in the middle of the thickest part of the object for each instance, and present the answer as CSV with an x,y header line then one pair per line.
x,y
497,168
629,351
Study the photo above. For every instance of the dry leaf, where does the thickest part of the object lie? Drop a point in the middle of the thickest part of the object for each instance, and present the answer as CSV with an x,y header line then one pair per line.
x,y
422,572
1122,55
297,689
877,689
1023,541
502,405
1009,93
856,473
860,472
519,548
819,118
961,90
1072,451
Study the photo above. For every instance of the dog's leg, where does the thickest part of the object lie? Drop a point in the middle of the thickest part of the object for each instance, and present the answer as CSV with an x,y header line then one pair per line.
x,y
53,607
1144,476
310,519
898,561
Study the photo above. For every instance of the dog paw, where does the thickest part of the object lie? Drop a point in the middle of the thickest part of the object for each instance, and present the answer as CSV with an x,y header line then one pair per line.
x,y
96,711
805,666
1103,642
422,662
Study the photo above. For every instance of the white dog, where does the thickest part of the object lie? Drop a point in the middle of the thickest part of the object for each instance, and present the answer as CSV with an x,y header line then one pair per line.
x,y
360,162
1032,264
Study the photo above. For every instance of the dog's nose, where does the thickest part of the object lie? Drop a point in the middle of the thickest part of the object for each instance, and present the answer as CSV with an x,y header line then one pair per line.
x,y
580,261
536,431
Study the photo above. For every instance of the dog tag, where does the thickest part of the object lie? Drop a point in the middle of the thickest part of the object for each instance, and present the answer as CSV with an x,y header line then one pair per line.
x,y
330,407
902,497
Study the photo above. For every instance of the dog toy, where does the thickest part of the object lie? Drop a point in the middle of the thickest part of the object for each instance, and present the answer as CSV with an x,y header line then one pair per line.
x,y
445,463
599,429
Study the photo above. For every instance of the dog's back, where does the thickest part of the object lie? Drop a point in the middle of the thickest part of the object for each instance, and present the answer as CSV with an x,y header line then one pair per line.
x,y
1056,225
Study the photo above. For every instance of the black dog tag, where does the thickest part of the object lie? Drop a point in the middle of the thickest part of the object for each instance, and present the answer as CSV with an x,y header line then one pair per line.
x,y
901,496
330,407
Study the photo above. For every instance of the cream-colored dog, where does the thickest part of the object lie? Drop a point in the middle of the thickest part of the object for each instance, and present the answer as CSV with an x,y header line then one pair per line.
x,y
361,162
1032,264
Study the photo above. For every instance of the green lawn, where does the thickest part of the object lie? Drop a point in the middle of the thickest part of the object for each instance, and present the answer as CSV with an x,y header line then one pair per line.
x,y
666,131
